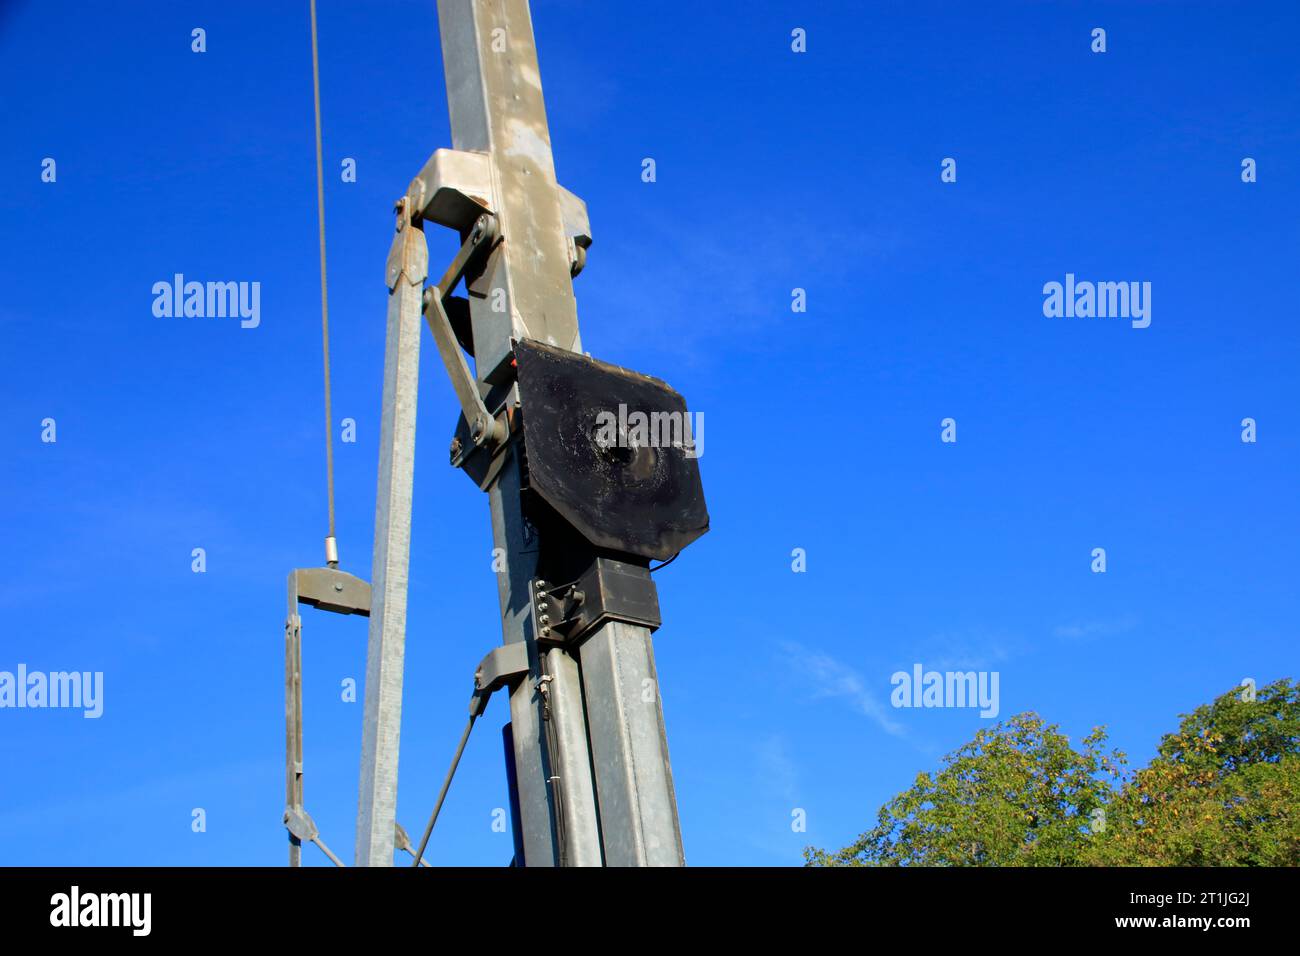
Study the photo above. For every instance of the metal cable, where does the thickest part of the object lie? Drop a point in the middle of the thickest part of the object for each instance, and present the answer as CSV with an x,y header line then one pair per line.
x,y
442,794
324,297
665,564
555,779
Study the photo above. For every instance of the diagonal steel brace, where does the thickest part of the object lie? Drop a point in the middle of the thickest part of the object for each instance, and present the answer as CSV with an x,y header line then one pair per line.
x,y
485,429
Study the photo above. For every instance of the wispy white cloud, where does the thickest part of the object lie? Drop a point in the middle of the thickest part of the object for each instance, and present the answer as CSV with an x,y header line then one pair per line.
x,y
974,650
1090,630
837,680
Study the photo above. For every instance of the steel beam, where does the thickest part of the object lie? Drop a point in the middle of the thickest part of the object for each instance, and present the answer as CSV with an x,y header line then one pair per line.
x,y
328,589
555,791
634,779
494,95
293,791
408,267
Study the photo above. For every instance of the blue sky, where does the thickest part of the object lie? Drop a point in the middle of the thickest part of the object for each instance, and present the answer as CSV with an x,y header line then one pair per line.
x,y
775,170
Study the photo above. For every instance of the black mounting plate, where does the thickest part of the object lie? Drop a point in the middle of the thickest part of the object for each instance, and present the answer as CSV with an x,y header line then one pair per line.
x,y
639,498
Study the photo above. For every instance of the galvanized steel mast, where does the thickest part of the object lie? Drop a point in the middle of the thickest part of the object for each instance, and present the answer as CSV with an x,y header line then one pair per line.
x,y
576,518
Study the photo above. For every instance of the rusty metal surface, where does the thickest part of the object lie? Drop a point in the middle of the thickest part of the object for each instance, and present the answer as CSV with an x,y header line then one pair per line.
x,y
494,93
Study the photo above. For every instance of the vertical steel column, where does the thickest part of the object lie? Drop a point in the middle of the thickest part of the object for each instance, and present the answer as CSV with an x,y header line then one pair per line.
x,y
293,714
494,94
555,790
408,267
634,779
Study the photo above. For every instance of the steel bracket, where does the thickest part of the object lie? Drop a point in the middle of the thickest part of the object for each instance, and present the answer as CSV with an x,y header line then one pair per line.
x,y
327,589
502,667
302,828
408,255
454,188
609,590
402,841
330,589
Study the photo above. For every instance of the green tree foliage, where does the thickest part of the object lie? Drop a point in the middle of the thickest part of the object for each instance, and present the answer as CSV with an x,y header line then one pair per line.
x,y
1016,794
1223,790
